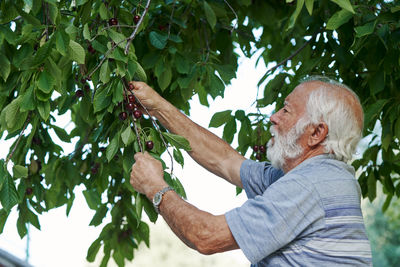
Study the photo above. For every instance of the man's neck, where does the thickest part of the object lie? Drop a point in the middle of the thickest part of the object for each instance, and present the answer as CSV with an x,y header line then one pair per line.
x,y
292,163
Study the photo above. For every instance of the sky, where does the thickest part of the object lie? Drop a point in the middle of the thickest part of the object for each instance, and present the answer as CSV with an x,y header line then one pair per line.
x,y
63,241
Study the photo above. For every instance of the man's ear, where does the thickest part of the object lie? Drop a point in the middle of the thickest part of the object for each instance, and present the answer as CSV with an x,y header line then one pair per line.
x,y
318,134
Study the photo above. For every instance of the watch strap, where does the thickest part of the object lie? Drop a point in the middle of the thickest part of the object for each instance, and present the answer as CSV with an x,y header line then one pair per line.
x,y
160,194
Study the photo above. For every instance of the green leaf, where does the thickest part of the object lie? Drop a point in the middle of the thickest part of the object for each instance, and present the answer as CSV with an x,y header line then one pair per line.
x,y
62,41
99,216
8,195
127,136
338,19
62,134
86,32
345,4
365,29
112,148
11,111
229,130
76,52
395,9
93,250
101,99
165,78
140,74
387,203
44,109
28,101
93,198
105,72
210,14
371,182
5,67
220,118
3,173
20,171
309,6
177,140
3,219
43,52
296,13
139,204
157,40
45,82
178,157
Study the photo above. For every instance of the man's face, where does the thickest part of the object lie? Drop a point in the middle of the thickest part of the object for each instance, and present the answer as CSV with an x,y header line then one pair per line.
x,y
284,146
288,128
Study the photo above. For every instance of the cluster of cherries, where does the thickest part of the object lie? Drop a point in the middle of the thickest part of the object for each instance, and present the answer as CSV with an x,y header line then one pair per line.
x,y
114,21
259,150
131,107
80,93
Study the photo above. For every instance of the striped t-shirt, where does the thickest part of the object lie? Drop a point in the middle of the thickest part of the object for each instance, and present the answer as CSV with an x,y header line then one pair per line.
x,y
310,216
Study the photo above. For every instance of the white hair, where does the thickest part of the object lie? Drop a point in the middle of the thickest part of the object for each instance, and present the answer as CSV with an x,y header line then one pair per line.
x,y
327,104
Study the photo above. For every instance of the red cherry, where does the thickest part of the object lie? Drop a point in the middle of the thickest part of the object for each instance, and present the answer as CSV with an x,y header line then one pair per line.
x,y
113,21
136,19
258,156
149,145
79,93
162,27
131,86
131,98
83,80
29,191
94,170
87,87
91,49
137,114
123,116
255,148
262,149
130,106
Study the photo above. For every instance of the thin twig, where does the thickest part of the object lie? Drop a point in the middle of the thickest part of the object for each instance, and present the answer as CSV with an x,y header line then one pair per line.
x,y
236,16
170,19
137,134
137,27
18,140
153,122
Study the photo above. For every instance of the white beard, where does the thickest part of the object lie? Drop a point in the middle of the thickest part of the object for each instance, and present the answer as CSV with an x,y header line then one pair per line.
x,y
284,147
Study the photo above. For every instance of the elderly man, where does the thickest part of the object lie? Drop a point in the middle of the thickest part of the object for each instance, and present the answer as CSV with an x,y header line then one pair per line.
x,y
303,208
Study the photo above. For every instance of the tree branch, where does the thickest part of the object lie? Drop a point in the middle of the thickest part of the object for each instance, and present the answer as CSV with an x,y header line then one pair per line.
x,y
130,38
236,16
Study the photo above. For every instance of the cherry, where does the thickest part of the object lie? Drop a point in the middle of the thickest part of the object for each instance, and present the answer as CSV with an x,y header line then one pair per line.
x,y
149,145
123,116
29,191
162,27
88,78
91,49
255,148
136,19
258,156
83,80
36,140
94,170
113,21
130,106
131,98
137,114
87,87
131,86
79,93
262,149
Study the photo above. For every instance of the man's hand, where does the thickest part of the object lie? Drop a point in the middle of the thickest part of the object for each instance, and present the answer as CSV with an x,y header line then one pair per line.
x,y
147,176
147,96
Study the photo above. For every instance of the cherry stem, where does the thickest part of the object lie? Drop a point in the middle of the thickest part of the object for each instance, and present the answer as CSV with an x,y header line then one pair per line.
x,y
135,31
137,134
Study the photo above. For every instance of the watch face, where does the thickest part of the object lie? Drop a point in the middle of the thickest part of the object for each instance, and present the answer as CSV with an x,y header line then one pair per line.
x,y
157,198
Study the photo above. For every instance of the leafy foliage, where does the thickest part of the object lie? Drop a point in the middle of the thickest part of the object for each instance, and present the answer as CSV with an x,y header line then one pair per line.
x,y
75,57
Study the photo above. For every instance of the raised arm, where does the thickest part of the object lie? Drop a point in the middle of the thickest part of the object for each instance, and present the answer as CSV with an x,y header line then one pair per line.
x,y
208,150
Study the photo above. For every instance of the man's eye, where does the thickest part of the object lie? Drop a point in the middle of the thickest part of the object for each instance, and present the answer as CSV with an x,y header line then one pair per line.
x,y
285,110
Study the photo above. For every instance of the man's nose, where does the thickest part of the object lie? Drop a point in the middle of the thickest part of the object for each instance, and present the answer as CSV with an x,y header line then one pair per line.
x,y
273,119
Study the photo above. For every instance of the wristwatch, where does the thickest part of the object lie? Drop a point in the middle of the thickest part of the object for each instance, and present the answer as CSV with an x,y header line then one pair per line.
x,y
158,197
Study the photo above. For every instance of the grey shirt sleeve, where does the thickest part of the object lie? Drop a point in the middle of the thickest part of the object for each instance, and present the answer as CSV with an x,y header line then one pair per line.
x,y
270,220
